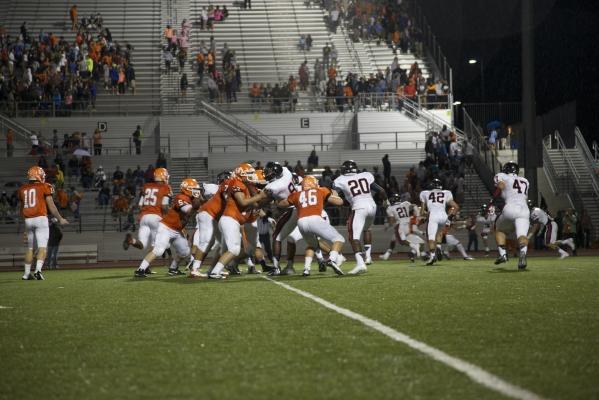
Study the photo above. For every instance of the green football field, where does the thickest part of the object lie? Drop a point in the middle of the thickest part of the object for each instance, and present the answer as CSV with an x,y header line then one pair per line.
x,y
101,334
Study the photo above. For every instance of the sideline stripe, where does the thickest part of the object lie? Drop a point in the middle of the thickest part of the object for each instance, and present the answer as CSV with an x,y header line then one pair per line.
x,y
474,372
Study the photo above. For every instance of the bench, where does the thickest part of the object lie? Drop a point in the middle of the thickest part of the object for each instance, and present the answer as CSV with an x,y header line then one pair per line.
x,y
67,254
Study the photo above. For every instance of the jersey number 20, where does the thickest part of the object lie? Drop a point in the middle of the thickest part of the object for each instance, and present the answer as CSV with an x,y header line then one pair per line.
x,y
359,187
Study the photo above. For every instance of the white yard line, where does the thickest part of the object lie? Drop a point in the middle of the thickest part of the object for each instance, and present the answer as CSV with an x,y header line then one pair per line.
x,y
5,307
475,373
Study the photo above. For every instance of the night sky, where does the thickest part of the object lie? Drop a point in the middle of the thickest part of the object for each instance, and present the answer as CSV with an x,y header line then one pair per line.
x,y
566,52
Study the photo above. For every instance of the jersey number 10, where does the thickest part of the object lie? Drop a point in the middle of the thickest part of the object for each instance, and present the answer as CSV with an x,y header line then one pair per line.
x,y
29,198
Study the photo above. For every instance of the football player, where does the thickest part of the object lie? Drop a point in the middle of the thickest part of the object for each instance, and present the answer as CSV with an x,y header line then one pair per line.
x,y
357,188
35,200
153,204
309,203
543,222
435,202
206,223
452,242
399,214
239,200
487,219
281,184
515,215
170,229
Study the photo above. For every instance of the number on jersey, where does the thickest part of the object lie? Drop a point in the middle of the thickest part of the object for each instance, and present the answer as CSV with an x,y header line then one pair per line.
x,y
358,187
308,198
291,187
150,198
520,186
402,212
29,198
436,197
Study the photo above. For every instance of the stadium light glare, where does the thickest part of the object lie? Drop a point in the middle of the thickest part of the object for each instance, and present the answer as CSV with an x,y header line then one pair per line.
x,y
457,103
472,61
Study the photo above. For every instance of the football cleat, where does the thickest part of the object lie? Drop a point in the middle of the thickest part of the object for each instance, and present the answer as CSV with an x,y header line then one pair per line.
x,y
274,272
127,241
522,261
233,270
217,276
431,260
358,269
306,272
253,271
322,266
289,270
564,255
368,260
469,258
335,267
412,256
149,271
385,256
38,276
28,277
438,254
175,272
340,260
501,259
446,255
139,273
197,274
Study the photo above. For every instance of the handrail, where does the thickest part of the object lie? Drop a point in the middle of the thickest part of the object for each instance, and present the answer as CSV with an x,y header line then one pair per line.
x,y
352,49
595,151
17,128
430,40
238,127
561,147
587,157
551,172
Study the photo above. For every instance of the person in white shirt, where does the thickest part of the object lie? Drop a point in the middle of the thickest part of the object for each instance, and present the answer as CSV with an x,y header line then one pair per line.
x,y
435,202
357,188
544,224
399,214
515,216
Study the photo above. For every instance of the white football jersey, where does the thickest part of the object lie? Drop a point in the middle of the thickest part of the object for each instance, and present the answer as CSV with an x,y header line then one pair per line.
x,y
515,190
487,220
400,212
356,189
436,200
210,190
539,216
282,187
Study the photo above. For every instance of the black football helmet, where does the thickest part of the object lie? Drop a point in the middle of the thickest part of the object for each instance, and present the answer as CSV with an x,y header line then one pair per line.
x,y
273,171
436,184
349,167
223,176
510,167
394,198
483,209
530,203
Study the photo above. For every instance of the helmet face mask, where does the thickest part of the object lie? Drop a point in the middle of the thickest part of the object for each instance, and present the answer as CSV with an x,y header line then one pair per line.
x,y
394,198
349,167
223,176
190,187
273,171
246,172
511,167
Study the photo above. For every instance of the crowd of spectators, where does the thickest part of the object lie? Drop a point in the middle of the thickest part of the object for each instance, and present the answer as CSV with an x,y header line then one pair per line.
x,y
45,72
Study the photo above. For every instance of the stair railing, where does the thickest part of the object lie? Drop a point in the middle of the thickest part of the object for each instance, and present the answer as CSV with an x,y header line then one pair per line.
x,y
581,144
252,136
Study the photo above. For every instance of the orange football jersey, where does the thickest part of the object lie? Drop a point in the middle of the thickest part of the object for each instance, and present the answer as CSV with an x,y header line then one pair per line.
x,y
175,218
309,202
216,204
231,209
33,199
153,194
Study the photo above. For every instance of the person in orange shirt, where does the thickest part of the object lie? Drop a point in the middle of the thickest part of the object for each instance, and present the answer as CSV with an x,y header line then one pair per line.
x,y
239,200
153,204
73,15
35,199
206,221
170,229
310,203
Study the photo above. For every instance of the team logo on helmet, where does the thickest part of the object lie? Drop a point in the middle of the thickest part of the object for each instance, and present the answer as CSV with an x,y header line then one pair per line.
x,y
190,187
36,173
161,175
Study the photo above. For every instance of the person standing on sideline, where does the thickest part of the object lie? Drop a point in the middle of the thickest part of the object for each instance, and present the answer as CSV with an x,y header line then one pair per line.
x,y
97,139
53,244
137,135
10,146
386,169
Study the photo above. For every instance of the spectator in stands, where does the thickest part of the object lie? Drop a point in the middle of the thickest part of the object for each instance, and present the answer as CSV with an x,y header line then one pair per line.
x,y
34,143
386,169
73,15
118,178
97,141
104,196
309,42
247,4
203,18
183,84
149,174
212,88
54,238
312,161
137,136
75,201
99,177
167,56
168,35
492,139
301,44
10,147
255,95
161,161
326,54
586,227
299,169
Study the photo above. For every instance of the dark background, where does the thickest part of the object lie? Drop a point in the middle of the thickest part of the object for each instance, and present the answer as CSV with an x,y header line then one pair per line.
x,y
566,52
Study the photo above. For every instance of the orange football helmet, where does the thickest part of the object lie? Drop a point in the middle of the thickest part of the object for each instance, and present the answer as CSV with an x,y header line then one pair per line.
x,y
161,175
260,179
310,182
36,173
245,172
190,187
